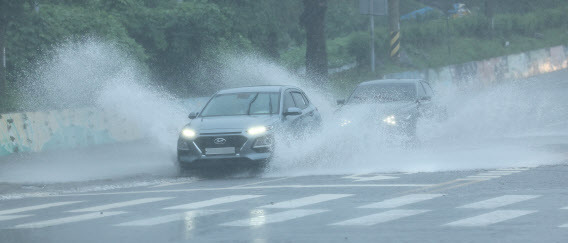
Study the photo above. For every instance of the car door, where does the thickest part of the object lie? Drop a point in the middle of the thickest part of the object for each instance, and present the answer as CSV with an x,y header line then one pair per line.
x,y
425,99
297,123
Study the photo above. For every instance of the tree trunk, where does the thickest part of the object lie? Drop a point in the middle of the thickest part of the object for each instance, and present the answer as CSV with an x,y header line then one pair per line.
x,y
313,20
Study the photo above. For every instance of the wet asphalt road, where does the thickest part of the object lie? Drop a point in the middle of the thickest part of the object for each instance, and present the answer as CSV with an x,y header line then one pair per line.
x,y
499,205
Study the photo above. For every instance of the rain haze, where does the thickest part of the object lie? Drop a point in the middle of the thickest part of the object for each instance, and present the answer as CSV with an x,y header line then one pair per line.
x,y
283,121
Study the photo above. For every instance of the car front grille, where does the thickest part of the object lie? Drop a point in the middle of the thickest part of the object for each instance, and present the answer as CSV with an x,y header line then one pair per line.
x,y
236,141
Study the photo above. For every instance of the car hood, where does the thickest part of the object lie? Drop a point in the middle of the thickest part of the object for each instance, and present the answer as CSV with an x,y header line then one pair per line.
x,y
231,123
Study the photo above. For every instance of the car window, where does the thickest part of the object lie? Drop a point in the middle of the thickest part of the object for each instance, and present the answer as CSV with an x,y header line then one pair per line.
x,y
242,104
421,91
429,90
264,104
299,100
288,101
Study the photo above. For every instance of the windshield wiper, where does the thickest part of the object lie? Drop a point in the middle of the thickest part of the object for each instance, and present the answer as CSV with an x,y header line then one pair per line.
x,y
250,104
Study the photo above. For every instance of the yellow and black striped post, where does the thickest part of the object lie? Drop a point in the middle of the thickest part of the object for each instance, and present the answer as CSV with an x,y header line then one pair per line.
x,y
395,44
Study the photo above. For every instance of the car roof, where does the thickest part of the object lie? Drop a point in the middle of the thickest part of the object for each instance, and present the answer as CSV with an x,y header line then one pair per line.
x,y
258,88
390,81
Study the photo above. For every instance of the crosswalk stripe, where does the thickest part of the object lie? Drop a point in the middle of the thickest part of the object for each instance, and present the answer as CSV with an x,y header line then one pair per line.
x,y
380,217
486,176
499,201
304,201
10,217
261,218
496,173
120,204
72,219
30,208
491,218
187,216
401,201
215,201
515,169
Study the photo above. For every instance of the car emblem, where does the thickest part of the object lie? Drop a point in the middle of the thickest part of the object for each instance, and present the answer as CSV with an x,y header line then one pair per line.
x,y
220,141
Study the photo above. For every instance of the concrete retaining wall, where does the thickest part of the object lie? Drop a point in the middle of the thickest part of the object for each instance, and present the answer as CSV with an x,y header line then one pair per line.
x,y
40,131
489,71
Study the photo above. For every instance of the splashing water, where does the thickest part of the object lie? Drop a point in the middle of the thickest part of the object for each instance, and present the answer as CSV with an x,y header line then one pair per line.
x,y
485,129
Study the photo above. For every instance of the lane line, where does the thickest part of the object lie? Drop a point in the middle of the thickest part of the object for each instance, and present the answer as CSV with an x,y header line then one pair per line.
x,y
30,208
260,182
402,201
563,226
475,179
120,204
491,218
304,201
371,177
499,201
520,169
380,217
10,217
214,201
66,220
236,188
494,174
484,176
171,184
187,216
261,218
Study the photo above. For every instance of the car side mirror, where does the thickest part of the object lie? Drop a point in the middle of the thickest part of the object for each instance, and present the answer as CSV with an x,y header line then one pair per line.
x,y
193,115
293,111
341,102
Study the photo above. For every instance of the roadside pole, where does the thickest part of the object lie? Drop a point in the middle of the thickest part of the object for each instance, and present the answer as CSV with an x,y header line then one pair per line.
x,y
394,28
372,8
372,20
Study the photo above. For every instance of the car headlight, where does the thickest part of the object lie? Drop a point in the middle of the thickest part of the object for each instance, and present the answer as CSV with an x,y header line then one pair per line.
x,y
345,122
391,120
188,133
257,130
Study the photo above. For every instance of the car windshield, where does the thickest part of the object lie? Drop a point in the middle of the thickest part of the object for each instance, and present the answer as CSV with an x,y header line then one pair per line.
x,y
379,93
242,104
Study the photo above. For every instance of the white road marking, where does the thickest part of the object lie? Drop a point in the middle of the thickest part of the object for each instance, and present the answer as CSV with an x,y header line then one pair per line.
x,y
233,188
187,216
474,179
72,219
401,201
120,204
171,184
362,177
499,201
484,176
496,173
10,217
215,201
519,169
380,217
563,226
262,219
491,218
304,201
30,208
261,182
